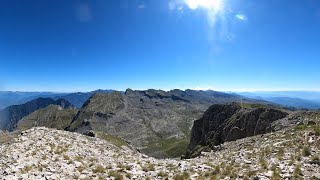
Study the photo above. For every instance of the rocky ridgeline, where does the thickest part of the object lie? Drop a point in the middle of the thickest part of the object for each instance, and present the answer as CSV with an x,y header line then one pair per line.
x,y
42,153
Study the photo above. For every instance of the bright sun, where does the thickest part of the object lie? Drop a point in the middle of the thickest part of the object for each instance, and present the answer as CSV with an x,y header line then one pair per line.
x,y
211,5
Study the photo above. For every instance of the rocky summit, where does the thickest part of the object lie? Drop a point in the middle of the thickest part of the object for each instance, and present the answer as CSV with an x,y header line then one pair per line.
x,y
42,153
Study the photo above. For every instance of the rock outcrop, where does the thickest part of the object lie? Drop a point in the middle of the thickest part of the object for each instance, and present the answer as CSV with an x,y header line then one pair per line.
x,y
10,116
222,123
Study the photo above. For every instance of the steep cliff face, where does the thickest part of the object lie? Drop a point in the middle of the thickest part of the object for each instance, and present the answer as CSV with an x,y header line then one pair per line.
x,y
158,122
222,123
10,116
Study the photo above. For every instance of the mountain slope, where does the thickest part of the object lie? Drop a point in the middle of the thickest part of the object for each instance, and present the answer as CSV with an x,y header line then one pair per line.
x,y
10,116
53,116
158,122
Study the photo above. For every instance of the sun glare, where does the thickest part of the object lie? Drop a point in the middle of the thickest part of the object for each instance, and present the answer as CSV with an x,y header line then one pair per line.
x,y
212,5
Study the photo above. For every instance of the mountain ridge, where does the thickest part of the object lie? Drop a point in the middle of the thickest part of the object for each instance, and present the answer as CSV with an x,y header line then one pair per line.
x,y
152,120
10,116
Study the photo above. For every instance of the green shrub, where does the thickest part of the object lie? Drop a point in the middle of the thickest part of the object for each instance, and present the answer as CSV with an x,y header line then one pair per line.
x,y
297,172
316,130
306,151
99,169
162,174
116,175
315,158
183,176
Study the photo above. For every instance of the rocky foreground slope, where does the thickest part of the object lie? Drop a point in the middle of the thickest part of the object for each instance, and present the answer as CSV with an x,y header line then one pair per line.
x,y
42,153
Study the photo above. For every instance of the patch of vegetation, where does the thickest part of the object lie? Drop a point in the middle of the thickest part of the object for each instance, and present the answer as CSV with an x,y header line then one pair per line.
x,y
297,173
315,158
306,151
26,169
66,157
81,168
300,127
276,175
171,167
78,158
280,153
112,139
60,149
44,157
316,130
128,175
162,174
183,176
250,173
216,170
148,167
292,160
170,148
116,175
99,169
263,163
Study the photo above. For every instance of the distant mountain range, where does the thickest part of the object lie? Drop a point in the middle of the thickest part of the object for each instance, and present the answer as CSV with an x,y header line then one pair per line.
x,y
295,99
8,98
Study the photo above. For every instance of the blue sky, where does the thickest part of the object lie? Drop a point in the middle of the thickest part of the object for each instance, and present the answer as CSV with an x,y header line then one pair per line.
x,y
244,45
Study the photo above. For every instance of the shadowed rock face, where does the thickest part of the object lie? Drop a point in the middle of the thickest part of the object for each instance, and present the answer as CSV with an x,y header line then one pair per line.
x,y
10,116
221,123
158,122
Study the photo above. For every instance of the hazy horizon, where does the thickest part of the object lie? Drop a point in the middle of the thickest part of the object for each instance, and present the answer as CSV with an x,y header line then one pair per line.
x,y
197,89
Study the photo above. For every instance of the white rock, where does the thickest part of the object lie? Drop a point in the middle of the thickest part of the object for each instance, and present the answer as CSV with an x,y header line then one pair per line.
x,y
82,176
247,161
77,163
268,174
